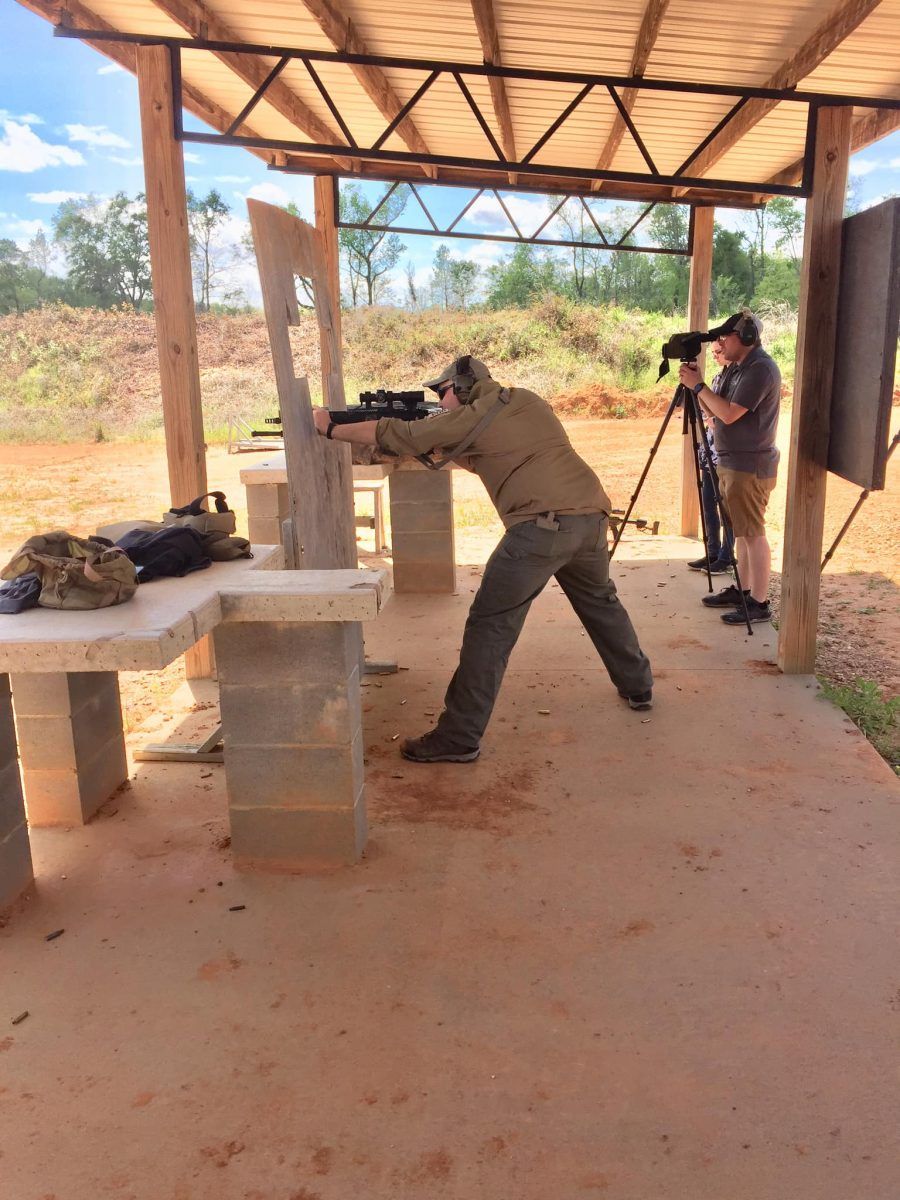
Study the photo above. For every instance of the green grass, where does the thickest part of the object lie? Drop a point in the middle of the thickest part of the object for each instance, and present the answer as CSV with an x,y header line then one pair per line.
x,y
877,717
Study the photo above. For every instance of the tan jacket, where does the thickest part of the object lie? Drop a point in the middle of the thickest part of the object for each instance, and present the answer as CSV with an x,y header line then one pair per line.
x,y
524,458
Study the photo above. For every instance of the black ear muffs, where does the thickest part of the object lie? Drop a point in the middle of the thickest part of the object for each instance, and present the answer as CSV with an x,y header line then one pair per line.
x,y
746,331
463,378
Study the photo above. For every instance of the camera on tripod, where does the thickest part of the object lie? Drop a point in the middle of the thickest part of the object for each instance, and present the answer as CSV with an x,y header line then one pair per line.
x,y
684,346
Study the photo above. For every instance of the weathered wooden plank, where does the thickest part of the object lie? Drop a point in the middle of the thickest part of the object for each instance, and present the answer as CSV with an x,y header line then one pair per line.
x,y
813,376
698,318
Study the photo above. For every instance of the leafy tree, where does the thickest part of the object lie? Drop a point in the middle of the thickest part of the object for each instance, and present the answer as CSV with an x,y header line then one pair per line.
x,y
463,278
787,219
370,254
521,277
206,216
574,225
106,248
781,283
12,262
412,293
731,277
440,276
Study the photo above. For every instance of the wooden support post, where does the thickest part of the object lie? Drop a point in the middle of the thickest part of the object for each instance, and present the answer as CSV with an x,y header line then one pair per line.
x,y
698,318
326,217
173,296
813,375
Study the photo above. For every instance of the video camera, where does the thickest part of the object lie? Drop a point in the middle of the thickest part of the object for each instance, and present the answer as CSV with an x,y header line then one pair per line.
x,y
684,346
408,406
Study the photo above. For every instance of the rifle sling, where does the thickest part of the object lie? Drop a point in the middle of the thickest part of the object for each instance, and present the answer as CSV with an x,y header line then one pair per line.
x,y
503,398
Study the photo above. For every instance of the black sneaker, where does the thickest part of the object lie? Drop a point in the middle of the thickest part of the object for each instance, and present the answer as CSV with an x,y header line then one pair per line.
x,y
640,702
432,747
755,611
729,597
717,566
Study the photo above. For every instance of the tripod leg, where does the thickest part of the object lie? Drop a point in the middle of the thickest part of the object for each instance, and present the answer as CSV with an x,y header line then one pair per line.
x,y
693,419
726,521
644,473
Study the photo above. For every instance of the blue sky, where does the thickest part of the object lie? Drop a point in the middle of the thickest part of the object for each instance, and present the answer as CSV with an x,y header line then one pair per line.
x,y
69,127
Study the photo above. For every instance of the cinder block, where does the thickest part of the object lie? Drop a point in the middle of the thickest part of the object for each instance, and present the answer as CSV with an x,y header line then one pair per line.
x,y
8,750
420,485
12,802
298,840
16,870
264,531
268,500
422,517
422,547
294,777
424,578
283,652
55,743
59,695
319,713
67,797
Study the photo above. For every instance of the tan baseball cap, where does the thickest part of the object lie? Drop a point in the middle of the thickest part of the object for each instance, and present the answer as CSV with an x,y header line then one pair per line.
x,y
474,368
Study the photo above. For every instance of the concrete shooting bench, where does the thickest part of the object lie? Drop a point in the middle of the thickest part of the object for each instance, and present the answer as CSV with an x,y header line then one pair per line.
x,y
421,506
288,648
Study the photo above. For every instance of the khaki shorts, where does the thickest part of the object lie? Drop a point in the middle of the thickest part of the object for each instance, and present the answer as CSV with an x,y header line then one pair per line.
x,y
745,498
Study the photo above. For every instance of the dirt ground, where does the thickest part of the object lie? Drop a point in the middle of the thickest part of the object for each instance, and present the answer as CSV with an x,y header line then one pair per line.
x,y
81,486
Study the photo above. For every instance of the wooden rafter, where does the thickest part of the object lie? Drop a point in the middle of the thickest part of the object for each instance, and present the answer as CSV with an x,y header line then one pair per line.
x,y
863,132
486,24
78,16
823,41
340,32
646,39
198,21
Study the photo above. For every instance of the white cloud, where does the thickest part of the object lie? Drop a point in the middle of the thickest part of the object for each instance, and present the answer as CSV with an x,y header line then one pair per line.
x,y
894,164
21,230
270,192
58,197
527,213
861,167
232,178
22,150
137,161
192,179
96,135
21,118
110,69
191,157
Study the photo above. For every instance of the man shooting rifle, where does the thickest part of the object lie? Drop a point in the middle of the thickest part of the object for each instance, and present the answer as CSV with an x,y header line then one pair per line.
x,y
556,516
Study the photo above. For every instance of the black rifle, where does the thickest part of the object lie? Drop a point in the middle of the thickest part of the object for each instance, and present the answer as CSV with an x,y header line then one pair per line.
x,y
408,406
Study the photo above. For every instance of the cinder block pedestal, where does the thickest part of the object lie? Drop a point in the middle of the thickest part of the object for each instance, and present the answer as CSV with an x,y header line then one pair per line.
x,y
267,507
71,743
16,872
422,531
292,722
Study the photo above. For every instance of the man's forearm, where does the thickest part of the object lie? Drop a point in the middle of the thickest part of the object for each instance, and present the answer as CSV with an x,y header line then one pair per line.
x,y
715,405
359,433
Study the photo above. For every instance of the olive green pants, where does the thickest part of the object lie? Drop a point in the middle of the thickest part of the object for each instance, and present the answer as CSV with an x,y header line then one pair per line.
x,y
528,556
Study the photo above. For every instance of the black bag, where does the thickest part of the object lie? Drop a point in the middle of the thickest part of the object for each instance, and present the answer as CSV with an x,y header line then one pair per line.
x,y
164,552
20,593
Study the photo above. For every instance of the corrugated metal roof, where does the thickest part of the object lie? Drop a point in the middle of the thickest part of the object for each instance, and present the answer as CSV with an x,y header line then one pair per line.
x,y
693,41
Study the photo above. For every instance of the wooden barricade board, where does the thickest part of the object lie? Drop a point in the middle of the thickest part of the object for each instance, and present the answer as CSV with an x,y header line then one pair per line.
x,y
866,349
320,480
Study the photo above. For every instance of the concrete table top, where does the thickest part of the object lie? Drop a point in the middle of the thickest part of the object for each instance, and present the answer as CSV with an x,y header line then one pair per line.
x,y
165,618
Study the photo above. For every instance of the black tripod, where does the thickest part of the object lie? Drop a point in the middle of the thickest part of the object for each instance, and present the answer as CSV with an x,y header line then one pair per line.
x,y
693,424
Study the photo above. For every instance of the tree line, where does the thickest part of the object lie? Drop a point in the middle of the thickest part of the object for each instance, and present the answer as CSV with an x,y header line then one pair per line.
x,y
99,256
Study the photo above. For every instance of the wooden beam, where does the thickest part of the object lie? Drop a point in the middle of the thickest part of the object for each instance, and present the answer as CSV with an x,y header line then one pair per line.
x,y
170,262
646,39
813,376
875,125
698,318
173,296
199,21
329,338
824,40
486,24
340,32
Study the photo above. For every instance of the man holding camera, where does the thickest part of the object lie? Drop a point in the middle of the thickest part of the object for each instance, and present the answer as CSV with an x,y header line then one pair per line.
x,y
556,517
745,421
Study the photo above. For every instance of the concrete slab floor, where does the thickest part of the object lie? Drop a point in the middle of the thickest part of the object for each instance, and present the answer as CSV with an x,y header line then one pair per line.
x,y
638,956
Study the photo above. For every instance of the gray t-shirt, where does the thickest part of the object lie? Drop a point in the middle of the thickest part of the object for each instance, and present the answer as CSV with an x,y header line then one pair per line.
x,y
748,444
